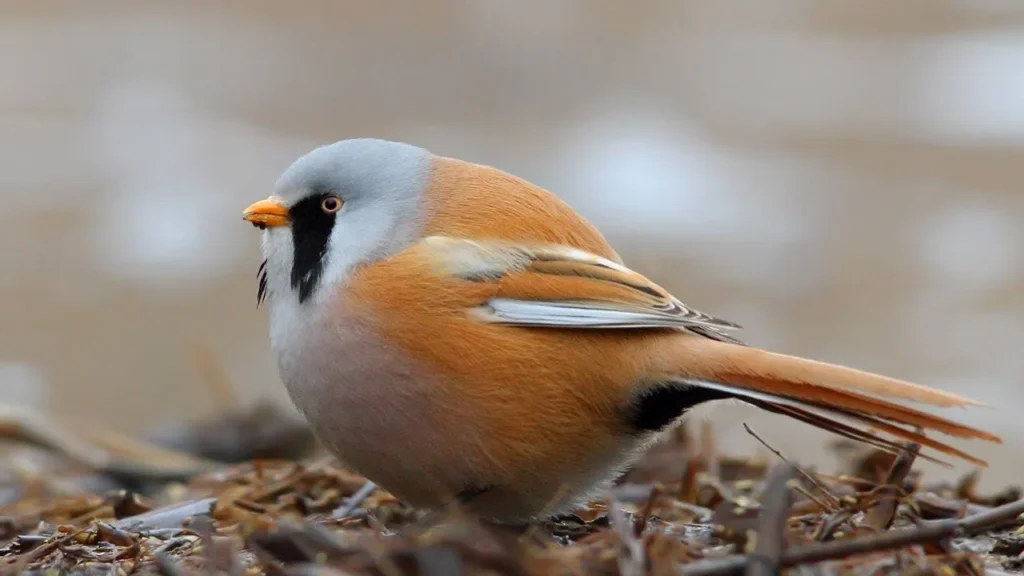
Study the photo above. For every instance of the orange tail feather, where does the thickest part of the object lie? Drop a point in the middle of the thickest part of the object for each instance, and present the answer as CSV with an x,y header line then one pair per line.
x,y
817,392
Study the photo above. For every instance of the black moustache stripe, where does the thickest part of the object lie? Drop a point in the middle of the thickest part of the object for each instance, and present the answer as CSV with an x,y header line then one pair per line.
x,y
311,231
261,293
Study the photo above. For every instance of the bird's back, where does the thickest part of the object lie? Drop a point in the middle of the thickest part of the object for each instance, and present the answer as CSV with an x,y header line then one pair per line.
x,y
477,201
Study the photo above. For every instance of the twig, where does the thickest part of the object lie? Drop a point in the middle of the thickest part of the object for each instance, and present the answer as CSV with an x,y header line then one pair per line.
x,y
168,517
640,522
114,535
824,506
831,524
771,527
354,501
939,507
928,531
735,564
883,541
881,516
997,517
833,502
23,560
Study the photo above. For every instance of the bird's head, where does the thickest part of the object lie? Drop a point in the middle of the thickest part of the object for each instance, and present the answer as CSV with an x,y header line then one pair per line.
x,y
335,208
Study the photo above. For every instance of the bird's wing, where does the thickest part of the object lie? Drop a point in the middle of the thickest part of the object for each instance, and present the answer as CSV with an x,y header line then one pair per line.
x,y
560,286
557,286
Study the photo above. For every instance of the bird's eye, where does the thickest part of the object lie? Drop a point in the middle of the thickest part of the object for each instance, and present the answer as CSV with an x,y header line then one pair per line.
x,y
331,204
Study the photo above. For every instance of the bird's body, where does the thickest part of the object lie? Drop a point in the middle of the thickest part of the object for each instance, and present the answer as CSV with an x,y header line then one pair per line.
x,y
450,330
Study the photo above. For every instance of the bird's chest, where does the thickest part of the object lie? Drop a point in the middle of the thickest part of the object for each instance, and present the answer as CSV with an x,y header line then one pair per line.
x,y
367,402
344,378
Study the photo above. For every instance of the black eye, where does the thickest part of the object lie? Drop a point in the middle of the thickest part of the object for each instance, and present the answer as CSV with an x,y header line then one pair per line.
x,y
331,204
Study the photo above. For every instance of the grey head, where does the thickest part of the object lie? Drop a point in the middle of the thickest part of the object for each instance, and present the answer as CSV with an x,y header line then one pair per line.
x,y
339,206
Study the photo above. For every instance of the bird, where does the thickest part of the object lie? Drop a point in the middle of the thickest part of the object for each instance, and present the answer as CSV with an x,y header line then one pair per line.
x,y
459,335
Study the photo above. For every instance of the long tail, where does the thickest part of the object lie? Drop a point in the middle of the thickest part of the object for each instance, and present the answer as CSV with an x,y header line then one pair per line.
x,y
821,394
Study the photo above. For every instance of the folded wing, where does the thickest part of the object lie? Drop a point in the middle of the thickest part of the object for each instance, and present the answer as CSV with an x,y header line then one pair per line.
x,y
558,286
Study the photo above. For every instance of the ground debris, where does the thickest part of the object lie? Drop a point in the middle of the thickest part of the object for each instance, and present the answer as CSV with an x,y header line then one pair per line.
x,y
683,510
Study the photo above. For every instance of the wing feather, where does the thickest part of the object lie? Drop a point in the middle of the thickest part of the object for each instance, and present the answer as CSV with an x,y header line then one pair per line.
x,y
564,287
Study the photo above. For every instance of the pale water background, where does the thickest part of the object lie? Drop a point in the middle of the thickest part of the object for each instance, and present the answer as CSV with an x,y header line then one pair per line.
x,y
845,179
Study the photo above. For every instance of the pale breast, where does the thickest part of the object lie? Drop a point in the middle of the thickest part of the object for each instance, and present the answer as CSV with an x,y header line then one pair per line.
x,y
370,405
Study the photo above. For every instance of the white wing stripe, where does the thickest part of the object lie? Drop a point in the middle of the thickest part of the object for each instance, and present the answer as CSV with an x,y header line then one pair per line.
x,y
506,310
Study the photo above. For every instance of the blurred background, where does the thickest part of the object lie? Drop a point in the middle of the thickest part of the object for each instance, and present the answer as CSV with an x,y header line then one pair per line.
x,y
844,179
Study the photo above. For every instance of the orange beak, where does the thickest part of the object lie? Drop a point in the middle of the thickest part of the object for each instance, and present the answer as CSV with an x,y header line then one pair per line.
x,y
269,213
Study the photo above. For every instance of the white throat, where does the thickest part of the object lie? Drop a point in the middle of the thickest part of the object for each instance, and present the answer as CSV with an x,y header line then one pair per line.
x,y
382,186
